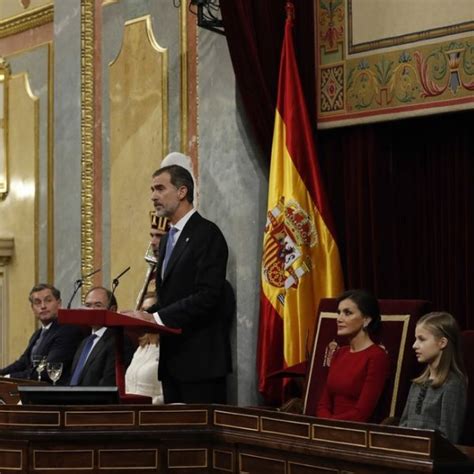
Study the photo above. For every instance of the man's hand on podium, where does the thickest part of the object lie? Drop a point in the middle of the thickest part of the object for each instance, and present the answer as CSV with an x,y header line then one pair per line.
x,y
143,315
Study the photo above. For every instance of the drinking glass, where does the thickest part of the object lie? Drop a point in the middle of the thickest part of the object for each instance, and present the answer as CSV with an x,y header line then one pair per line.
x,y
54,369
39,363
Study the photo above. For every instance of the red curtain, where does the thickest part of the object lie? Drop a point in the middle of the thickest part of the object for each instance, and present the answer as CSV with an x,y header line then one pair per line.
x,y
401,192
254,31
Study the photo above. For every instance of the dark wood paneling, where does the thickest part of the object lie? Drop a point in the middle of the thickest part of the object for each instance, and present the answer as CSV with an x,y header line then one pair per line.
x,y
251,463
99,419
285,427
109,439
128,458
63,459
173,417
11,459
401,444
234,420
30,417
297,468
187,458
223,460
340,435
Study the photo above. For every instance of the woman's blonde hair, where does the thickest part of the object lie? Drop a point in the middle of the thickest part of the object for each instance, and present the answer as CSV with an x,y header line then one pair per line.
x,y
149,338
442,324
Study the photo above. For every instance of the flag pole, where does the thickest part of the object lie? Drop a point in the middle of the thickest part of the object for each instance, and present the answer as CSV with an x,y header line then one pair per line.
x,y
290,11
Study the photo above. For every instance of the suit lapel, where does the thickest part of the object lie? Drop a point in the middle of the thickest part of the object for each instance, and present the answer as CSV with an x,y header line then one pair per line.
x,y
47,336
185,237
96,351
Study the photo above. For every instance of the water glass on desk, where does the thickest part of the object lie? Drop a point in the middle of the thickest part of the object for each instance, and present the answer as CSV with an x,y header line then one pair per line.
x,y
54,369
39,363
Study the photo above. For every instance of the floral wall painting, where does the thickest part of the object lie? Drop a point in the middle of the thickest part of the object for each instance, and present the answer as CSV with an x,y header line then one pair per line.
x,y
387,60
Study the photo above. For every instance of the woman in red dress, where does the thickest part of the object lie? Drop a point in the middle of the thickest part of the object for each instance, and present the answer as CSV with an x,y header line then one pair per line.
x,y
358,371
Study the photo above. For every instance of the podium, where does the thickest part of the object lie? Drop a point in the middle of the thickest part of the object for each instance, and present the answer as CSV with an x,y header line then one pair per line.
x,y
121,322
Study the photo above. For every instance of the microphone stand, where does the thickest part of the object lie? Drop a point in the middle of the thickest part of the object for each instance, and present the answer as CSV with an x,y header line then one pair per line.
x,y
78,284
115,283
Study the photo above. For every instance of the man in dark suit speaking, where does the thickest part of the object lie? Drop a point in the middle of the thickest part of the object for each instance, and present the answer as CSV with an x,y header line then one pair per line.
x,y
190,285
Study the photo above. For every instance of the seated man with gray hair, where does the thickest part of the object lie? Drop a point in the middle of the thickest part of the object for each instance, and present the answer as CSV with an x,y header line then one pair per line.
x,y
52,342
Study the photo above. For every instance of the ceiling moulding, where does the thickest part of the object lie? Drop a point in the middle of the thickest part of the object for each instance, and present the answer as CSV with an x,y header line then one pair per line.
x,y
6,250
26,21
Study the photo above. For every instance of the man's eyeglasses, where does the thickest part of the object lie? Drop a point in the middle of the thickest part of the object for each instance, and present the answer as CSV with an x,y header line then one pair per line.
x,y
421,398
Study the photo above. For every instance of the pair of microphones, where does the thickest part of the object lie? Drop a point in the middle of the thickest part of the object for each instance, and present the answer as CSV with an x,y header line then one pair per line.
x,y
78,283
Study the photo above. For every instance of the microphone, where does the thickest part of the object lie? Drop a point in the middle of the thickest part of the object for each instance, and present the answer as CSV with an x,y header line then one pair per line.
x,y
78,284
115,283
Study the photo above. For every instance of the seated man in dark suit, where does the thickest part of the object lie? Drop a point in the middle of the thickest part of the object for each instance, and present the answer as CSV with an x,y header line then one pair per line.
x,y
94,361
52,341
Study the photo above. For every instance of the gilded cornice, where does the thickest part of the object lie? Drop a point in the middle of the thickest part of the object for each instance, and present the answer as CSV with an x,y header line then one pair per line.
x,y
87,138
26,21
7,245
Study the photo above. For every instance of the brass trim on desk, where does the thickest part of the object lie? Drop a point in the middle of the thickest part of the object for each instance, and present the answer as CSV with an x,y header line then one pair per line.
x,y
13,451
423,438
214,451
338,428
284,433
26,413
183,466
100,451
141,423
234,414
101,413
325,468
241,454
63,468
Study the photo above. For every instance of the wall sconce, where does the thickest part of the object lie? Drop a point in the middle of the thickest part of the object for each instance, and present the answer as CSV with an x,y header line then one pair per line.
x,y
4,75
208,14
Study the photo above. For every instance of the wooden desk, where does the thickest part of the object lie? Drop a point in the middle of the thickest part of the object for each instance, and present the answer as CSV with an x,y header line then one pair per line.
x,y
9,392
210,439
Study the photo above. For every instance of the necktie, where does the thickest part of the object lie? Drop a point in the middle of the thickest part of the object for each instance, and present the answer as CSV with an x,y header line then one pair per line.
x,y
82,359
169,246
36,345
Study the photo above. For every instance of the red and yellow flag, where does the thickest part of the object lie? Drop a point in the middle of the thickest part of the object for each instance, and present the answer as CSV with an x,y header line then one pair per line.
x,y
300,263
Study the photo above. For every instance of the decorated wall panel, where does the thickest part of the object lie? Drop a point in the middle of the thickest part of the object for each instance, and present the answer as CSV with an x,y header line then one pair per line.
x,y
138,142
26,208
22,200
387,60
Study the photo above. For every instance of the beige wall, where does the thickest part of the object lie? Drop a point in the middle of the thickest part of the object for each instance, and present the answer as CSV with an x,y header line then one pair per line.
x,y
18,212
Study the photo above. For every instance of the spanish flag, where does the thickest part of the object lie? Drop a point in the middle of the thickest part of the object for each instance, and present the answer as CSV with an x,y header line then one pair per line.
x,y
300,263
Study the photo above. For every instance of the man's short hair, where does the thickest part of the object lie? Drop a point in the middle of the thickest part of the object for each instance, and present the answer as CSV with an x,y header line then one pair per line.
x,y
179,176
112,301
44,286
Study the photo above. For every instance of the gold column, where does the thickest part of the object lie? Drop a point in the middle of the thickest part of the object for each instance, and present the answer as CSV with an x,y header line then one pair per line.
x,y
87,138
